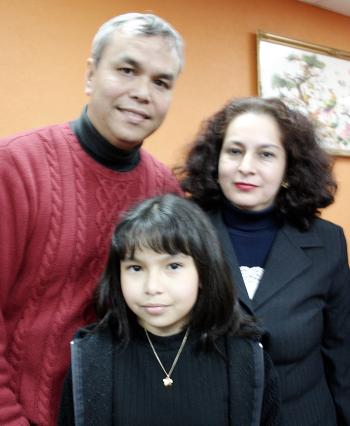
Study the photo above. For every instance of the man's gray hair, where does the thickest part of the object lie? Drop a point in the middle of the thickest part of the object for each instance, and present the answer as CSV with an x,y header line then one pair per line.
x,y
144,24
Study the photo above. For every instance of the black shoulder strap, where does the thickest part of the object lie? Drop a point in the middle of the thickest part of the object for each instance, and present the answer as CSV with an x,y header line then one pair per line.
x,y
246,381
92,367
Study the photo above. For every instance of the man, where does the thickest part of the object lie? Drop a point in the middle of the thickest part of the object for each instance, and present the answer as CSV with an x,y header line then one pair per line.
x,y
62,190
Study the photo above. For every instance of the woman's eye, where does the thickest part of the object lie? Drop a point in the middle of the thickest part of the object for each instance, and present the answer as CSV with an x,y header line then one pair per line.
x,y
267,154
235,151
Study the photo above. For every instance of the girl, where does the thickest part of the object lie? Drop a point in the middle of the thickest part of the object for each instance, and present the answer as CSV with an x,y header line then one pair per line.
x,y
171,347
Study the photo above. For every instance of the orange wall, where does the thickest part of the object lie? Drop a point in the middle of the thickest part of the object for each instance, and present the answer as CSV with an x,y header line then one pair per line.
x,y
44,45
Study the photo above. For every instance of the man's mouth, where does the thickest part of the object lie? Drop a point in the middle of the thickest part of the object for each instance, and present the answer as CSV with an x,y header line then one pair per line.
x,y
134,114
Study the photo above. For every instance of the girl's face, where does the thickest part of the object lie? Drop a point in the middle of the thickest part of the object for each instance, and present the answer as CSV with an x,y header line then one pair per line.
x,y
161,289
252,161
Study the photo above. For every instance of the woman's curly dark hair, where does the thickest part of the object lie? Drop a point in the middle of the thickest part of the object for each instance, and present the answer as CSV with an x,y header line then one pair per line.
x,y
309,176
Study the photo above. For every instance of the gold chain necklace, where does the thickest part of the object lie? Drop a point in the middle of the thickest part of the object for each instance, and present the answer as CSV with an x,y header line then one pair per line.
x,y
167,380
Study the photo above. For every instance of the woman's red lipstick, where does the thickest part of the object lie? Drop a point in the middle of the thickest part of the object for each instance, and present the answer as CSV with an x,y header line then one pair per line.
x,y
244,186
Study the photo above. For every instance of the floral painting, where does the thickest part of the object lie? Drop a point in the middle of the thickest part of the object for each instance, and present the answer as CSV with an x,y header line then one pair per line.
x,y
312,79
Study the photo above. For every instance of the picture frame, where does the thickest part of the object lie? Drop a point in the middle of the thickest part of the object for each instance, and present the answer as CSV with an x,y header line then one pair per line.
x,y
312,79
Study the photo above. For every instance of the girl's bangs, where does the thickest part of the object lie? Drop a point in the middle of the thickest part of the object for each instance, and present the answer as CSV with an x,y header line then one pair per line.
x,y
159,237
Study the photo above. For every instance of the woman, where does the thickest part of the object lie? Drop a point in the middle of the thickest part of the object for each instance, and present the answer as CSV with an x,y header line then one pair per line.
x,y
171,348
258,171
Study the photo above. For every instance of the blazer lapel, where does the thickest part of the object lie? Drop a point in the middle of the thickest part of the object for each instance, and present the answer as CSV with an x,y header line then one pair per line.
x,y
231,258
286,260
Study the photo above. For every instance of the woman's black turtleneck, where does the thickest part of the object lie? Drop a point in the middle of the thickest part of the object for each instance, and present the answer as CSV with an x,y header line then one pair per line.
x,y
251,233
100,149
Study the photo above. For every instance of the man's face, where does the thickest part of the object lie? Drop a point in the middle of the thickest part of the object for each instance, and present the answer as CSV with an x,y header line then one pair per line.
x,y
131,87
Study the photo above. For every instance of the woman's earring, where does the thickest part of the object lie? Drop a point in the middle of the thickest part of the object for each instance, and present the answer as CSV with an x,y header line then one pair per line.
x,y
285,184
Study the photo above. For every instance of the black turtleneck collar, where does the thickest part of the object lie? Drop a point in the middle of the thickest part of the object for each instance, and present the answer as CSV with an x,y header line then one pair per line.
x,y
251,233
100,149
249,220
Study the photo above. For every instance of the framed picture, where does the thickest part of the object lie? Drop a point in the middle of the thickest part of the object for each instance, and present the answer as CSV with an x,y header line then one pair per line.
x,y
311,78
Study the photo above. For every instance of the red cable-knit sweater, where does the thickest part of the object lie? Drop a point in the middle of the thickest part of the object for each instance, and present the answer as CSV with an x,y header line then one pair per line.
x,y
58,209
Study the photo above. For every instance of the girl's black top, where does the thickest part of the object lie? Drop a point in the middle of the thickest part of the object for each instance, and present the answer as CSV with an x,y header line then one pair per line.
x,y
125,387
200,383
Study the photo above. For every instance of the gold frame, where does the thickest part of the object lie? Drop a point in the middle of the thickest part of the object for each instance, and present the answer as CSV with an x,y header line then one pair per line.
x,y
336,145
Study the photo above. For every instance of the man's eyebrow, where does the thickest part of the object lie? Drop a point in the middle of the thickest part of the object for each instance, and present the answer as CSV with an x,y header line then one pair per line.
x,y
136,64
166,76
129,61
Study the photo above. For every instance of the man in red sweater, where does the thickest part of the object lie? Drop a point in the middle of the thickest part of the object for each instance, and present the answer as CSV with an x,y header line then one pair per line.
x,y
62,189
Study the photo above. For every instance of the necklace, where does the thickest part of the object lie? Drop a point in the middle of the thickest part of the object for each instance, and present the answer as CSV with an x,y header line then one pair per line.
x,y
168,381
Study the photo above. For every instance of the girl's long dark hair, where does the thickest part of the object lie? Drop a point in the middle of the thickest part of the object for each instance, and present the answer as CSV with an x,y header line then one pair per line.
x,y
173,225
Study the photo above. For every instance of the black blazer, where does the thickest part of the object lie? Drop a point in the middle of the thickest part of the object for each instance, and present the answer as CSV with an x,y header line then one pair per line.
x,y
303,301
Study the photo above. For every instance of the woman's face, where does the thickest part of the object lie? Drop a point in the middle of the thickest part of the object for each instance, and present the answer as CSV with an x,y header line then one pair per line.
x,y
252,161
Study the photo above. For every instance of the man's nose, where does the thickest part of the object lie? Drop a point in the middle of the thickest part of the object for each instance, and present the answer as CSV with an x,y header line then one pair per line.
x,y
140,89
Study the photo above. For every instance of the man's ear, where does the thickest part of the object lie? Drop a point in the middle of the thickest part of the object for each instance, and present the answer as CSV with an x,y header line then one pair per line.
x,y
90,72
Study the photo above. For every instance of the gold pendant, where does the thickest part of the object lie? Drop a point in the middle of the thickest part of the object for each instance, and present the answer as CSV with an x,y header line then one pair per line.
x,y
168,381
